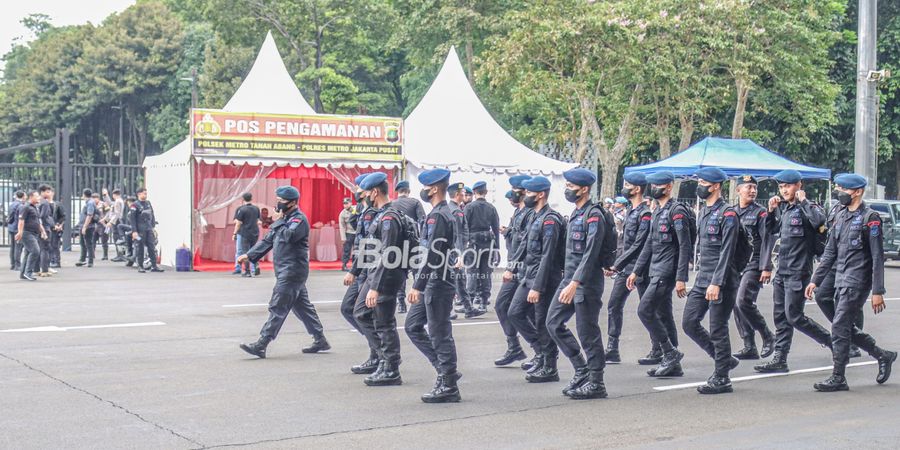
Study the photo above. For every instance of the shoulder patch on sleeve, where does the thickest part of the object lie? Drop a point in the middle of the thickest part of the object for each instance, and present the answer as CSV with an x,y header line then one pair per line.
x,y
593,219
549,222
296,220
646,218
730,214
431,221
678,216
764,214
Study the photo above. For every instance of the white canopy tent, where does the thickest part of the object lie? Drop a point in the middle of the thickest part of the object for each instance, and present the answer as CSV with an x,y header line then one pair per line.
x,y
268,87
450,128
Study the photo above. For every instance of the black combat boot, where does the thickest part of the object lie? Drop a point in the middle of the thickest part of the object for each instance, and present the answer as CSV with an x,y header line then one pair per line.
x,y
445,390
716,385
257,348
534,363
401,308
390,376
320,344
835,382
369,366
749,351
581,374
885,361
592,388
474,312
513,353
778,364
854,352
652,358
768,346
612,350
546,373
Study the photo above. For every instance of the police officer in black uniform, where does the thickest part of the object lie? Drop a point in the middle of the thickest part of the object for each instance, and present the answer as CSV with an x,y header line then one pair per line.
x,y
356,278
541,274
797,221
515,236
665,258
288,237
484,242
856,247
457,193
634,236
581,290
723,255
758,271
413,209
376,306
143,220
432,294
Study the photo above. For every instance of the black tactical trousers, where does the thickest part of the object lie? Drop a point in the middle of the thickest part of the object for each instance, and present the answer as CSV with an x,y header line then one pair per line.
x,y
148,240
379,324
290,295
825,295
746,314
434,310
459,282
87,244
521,313
586,307
45,254
790,301
401,293
617,298
480,284
504,301
55,242
714,342
848,305
31,253
655,312
347,252
15,250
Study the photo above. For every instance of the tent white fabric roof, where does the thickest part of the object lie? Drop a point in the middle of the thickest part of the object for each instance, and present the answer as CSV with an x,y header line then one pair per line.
x,y
451,128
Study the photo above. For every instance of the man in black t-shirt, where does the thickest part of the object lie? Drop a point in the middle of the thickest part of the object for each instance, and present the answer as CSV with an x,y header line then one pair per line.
x,y
246,232
28,235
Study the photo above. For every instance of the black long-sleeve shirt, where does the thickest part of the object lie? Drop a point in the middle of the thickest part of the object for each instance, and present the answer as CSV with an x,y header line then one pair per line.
x,y
634,236
669,249
484,224
544,251
386,274
584,240
797,224
856,248
753,219
289,238
521,223
438,238
717,234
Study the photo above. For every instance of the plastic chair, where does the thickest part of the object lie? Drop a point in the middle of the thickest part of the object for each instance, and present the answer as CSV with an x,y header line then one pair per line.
x,y
326,248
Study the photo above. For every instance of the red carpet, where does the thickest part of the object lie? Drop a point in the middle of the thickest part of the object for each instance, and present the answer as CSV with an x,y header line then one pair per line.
x,y
207,265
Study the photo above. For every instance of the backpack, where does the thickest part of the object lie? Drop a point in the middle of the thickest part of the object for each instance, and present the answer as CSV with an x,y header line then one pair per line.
x,y
563,224
610,244
691,217
409,228
820,235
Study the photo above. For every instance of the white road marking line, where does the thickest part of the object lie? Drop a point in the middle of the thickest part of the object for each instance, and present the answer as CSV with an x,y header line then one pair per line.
x,y
83,327
250,305
462,324
761,376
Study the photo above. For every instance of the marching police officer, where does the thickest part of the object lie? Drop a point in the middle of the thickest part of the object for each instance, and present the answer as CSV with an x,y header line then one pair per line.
x,y
856,247
457,193
581,290
413,209
797,221
376,306
634,235
288,238
665,258
541,274
143,220
722,256
758,270
431,297
484,240
515,237
356,278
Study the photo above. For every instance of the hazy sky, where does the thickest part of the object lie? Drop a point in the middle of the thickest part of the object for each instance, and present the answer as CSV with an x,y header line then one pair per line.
x,y
61,12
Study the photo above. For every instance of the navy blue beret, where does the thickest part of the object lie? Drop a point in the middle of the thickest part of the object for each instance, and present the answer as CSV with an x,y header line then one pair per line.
x,y
621,200
433,176
456,187
850,181
537,184
468,190
509,195
479,185
663,177
360,178
711,174
516,181
287,192
402,185
636,178
372,180
746,179
788,176
580,176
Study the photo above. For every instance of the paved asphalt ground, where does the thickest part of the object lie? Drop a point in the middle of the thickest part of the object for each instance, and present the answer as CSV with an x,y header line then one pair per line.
x,y
176,379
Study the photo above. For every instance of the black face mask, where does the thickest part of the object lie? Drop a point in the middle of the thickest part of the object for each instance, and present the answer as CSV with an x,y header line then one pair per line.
x,y
844,198
282,206
626,192
703,191
657,192
358,196
572,196
516,197
425,196
530,201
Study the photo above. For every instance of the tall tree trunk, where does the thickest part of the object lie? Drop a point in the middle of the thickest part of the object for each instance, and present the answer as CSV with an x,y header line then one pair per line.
x,y
742,88
687,130
662,128
611,158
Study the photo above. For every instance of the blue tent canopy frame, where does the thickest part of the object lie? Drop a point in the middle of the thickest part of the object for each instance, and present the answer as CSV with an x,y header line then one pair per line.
x,y
736,157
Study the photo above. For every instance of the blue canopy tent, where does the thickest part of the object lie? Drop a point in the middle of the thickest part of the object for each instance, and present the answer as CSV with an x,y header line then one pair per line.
x,y
735,156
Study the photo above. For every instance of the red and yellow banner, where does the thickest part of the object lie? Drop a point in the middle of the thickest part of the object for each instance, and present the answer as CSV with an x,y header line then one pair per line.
x,y
221,133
